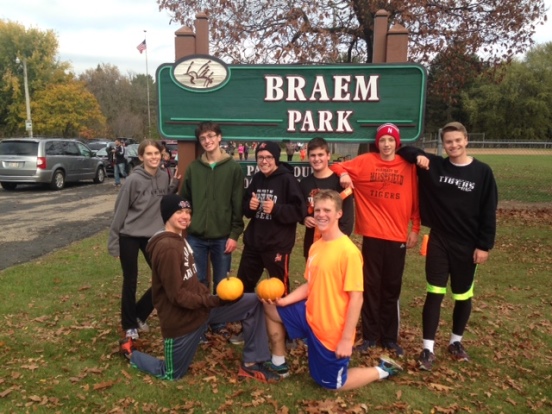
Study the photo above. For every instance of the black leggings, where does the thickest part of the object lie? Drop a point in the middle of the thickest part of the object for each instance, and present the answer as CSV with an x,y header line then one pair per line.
x,y
130,309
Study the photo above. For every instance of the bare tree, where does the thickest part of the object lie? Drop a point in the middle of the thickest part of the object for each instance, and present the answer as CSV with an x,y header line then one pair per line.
x,y
282,31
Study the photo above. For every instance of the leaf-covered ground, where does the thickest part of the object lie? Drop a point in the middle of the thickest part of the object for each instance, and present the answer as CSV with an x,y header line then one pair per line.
x,y
60,326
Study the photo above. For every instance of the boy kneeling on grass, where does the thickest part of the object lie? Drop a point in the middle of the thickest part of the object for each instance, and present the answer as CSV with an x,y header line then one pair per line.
x,y
185,306
326,309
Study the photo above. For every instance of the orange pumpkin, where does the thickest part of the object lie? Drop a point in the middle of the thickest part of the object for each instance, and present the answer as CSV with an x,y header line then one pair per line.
x,y
271,289
230,288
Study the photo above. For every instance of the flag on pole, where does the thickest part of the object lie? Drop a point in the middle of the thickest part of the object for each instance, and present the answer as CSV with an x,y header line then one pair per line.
x,y
142,46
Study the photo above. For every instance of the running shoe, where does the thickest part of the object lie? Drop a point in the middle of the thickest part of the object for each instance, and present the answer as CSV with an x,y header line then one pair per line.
x,y
365,346
390,366
142,326
126,347
282,370
457,351
237,339
258,372
426,360
394,347
132,334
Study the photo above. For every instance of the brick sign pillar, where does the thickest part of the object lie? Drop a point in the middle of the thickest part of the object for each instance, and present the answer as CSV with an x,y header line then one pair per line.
x,y
389,45
188,43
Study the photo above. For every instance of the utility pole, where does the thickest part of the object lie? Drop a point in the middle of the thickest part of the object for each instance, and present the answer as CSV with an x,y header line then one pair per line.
x,y
147,89
28,121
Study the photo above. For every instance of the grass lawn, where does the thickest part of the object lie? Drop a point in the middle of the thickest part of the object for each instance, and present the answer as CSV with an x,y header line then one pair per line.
x,y
60,327
519,177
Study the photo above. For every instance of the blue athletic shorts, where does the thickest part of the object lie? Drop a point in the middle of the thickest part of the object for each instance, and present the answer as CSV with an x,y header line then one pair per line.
x,y
325,368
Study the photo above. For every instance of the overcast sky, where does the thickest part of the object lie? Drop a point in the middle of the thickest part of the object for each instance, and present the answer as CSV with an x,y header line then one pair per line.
x,y
108,31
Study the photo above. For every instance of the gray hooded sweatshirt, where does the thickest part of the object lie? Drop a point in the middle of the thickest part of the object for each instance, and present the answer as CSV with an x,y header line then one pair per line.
x,y
137,209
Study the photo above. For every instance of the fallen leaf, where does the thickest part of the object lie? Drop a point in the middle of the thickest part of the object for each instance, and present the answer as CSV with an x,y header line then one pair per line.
x,y
6,392
103,385
439,387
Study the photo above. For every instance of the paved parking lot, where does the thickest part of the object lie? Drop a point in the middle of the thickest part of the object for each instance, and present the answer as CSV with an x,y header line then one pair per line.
x,y
35,220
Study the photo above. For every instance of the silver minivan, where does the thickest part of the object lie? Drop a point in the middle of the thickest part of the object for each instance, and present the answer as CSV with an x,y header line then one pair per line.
x,y
52,161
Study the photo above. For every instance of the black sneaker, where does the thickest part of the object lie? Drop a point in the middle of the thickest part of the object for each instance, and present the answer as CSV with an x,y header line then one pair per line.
x,y
126,347
393,346
457,351
426,360
282,370
258,372
365,346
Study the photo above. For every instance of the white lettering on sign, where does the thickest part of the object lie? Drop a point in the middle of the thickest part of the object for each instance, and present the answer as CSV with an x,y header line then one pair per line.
x,y
292,88
320,90
346,88
321,122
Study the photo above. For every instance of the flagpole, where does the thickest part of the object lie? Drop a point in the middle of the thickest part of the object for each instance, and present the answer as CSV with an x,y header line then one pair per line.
x,y
147,87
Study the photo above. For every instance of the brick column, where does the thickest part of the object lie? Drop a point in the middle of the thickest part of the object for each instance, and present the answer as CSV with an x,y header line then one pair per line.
x,y
397,44
381,20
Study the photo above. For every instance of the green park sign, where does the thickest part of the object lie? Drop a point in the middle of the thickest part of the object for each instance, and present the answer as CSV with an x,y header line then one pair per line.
x,y
340,102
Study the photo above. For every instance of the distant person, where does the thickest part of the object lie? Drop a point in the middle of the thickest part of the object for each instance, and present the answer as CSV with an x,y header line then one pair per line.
x,y
186,306
274,204
322,177
119,162
240,151
290,150
326,308
135,220
388,219
303,153
166,162
245,151
458,202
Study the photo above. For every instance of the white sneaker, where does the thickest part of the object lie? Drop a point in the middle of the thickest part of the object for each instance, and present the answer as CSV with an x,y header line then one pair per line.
x,y
132,333
142,326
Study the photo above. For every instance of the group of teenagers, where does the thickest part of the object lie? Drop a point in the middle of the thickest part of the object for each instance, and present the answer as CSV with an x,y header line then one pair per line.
x,y
395,188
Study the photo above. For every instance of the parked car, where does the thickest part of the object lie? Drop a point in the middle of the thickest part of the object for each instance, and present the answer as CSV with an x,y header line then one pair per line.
x,y
131,155
127,141
97,144
103,155
52,161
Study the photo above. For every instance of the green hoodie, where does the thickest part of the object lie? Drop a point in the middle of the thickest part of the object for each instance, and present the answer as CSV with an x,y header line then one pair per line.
x,y
216,193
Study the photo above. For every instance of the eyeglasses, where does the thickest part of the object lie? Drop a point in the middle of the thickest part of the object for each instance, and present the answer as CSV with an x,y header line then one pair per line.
x,y
209,137
268,158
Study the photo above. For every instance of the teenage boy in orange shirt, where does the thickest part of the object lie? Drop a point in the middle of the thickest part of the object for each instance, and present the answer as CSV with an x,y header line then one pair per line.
x,y
325,309
386,202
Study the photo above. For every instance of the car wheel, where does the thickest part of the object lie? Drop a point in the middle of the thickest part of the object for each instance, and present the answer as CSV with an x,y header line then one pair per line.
x,y
100,176
58,180
8,186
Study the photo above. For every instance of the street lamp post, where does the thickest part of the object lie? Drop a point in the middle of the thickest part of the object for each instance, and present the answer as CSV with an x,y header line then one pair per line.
x,y
28,122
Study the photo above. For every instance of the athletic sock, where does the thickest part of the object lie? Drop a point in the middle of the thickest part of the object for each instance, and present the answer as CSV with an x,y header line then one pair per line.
x,y
429,344
382,373
455,338
278,360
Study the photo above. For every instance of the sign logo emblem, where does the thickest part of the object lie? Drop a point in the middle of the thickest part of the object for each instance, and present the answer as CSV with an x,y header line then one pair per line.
x,y
201,72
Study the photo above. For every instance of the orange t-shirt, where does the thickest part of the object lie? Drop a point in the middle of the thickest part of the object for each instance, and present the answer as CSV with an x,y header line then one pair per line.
x,y
386,196
333,269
